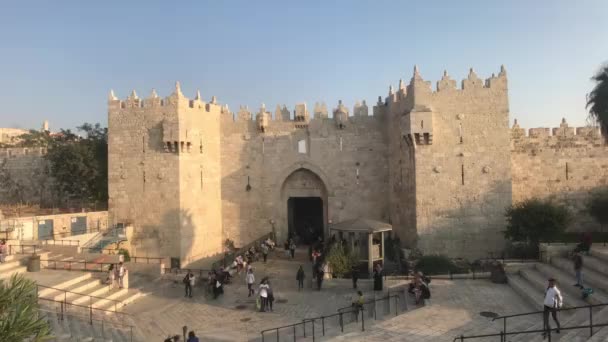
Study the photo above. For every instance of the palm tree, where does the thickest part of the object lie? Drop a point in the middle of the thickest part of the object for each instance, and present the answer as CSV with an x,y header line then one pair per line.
x,y
597,100
19,315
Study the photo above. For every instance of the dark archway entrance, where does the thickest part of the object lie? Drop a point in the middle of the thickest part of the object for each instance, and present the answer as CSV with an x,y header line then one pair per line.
x,y
305,218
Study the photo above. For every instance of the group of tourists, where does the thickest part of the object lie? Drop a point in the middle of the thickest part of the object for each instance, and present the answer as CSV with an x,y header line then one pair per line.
x,y
191,338
2,250
116,275
419,288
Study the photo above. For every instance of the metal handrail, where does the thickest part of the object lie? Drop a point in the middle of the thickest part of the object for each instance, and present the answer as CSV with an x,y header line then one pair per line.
x,y
505,333
340,313
103,322
64,307
10,248
63,242
65,292
312,321
70,262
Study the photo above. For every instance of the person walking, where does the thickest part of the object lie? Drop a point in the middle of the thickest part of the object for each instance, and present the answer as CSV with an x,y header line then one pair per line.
x,y
250,279
320,275
552,302
264,252
378,278
111,278
188,284
122,271
292,248
270,295
357,305
354,273
300,278
2,251
578,269
192,337
263,295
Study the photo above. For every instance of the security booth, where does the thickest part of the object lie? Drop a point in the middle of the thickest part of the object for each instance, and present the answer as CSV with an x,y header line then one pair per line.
x,y
364,236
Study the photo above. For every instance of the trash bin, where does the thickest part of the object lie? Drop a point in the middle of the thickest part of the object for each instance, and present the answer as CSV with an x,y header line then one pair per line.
x,y
33,264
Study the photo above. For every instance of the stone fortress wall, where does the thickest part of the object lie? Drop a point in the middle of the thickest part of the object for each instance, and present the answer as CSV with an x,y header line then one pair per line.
x,y
343,162
452,170
440,164
25,166
562,164
164,174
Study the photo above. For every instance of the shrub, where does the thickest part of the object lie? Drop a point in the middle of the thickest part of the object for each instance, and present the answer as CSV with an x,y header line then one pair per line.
x,y
125,254
19,316
438,264
534,220
340,260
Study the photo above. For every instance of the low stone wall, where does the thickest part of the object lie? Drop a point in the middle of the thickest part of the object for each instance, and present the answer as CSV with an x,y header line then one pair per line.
x,y
549,250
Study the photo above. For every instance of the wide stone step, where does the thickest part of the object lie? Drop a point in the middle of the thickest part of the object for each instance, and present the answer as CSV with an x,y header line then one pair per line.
x,y
539,280
565,283
14,269
600,253
43,292
596,264
591,277
600,315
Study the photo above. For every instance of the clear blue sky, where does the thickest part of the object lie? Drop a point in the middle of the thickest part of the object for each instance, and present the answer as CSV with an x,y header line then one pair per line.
x,y
59,59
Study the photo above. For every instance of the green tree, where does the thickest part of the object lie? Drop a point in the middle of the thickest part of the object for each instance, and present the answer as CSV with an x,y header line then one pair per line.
x,y
12,191
597,100
79,165
19,315
534,220
340,260
598,207
35,139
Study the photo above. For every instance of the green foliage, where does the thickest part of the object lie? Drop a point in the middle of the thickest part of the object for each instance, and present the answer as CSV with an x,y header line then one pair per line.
x,y
79,166
35,139
341,261
533,220
598,206
437,264
597,100
125,254
19,317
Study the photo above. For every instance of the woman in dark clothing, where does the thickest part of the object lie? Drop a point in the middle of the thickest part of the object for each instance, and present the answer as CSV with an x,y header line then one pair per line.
x,y
300,278
378,279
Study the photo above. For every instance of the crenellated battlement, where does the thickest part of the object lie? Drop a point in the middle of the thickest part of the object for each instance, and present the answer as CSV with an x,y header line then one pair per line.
x,y
564,131
153,100
560,137
418,88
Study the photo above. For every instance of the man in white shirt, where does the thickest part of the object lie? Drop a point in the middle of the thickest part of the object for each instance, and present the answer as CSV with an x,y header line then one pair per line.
x,y
250,279
264,295
121,275
553,301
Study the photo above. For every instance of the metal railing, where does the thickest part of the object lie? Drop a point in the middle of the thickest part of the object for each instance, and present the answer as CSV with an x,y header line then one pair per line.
x,y
344,316
21,249
104,324
68,265
70,233
86,312
65,296
146,260
60,242
504,332
312,323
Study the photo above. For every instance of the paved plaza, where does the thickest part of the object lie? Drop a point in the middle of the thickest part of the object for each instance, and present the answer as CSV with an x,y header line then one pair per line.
x,y
454,309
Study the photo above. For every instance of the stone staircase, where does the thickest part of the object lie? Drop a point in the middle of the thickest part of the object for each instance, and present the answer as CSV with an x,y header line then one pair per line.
x,y
87,289
13,264
530,282
78,328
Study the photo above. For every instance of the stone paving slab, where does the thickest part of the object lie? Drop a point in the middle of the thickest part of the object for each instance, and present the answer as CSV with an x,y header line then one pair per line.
x,y
454,310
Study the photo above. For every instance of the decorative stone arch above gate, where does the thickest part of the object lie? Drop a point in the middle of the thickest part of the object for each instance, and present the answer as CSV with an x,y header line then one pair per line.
x,y
301,179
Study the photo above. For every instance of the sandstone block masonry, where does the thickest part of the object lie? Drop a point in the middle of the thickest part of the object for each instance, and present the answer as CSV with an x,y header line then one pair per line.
x,y
440,164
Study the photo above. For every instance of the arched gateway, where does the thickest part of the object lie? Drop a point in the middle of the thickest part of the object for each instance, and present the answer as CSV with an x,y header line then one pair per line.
x,y
302,209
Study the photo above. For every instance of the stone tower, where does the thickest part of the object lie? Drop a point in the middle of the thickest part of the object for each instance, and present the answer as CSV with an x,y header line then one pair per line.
x,y
164,173
449,160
